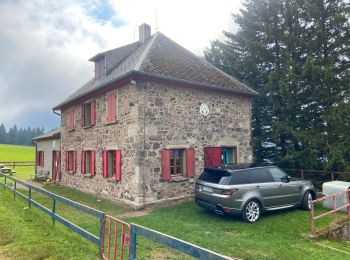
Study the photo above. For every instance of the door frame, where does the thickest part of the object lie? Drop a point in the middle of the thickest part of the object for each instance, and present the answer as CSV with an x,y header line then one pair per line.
x,y
54,158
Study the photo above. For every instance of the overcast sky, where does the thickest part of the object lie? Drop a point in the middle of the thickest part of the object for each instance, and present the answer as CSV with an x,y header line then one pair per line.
x,y
45,45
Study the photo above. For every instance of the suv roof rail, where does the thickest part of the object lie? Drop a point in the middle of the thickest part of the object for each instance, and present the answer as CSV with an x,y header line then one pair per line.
x,y
236,166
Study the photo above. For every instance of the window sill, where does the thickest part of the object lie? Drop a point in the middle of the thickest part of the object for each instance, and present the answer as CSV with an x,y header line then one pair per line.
x,y
177,179
88,175
111,123
111,180
87,127
70,172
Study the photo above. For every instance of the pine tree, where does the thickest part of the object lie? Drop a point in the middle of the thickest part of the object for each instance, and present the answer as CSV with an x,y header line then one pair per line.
x,y
3,134
295,54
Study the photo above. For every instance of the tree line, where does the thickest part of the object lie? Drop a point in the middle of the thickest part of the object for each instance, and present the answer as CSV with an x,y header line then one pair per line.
x,y
22,136
296,55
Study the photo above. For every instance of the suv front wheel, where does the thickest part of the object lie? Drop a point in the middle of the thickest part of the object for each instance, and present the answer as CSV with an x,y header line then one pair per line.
x,y
251,212
307,198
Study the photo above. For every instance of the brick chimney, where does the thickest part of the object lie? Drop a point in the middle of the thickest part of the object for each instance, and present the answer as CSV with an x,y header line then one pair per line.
x,y
144,32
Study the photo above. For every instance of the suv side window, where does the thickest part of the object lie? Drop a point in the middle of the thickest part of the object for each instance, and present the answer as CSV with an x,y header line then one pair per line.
x,y
277,174
240,177
260,175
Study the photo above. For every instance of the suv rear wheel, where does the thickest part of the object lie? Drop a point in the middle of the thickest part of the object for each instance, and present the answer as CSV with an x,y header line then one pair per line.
x,y
251,211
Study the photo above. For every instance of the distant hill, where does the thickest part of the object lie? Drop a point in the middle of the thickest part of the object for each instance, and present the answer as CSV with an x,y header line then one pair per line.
x,y
14,153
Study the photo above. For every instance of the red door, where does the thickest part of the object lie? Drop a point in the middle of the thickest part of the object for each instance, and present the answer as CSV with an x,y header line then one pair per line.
x,y
212,156
56,166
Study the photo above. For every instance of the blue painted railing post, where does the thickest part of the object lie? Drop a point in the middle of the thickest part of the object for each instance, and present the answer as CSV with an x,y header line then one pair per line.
x,y
102,231
30,197
14,190
53,210
132,255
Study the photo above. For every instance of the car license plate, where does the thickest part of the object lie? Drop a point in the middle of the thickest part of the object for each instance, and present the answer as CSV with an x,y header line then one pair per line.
x,y
207,189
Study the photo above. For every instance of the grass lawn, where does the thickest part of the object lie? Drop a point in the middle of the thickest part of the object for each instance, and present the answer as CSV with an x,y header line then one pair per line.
x,y
18,153
15,153
282,235
29,234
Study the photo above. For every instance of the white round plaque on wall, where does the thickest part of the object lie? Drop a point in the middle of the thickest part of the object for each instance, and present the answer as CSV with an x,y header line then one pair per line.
x,y
204,109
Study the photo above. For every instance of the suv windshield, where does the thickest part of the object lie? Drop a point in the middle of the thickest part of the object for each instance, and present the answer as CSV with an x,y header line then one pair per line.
x,y
215,176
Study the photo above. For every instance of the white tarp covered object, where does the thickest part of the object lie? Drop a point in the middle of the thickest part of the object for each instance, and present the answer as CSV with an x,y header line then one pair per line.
x,y
333,187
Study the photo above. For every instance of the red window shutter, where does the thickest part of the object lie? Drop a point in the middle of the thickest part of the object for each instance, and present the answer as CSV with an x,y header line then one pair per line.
x,y
83,162
71,120
74,161
92,162
212,156
108,108
118,171
92,113
112,100
104,164
111,107
38,158
42,159
165,165
67,162
82,115
190,162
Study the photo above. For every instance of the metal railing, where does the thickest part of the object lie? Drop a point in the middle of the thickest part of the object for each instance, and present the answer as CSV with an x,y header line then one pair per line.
x,y
119,231
333,211
173,242
52,212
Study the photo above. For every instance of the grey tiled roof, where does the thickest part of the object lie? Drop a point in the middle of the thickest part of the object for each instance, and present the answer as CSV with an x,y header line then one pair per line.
x,y
53,134
162,57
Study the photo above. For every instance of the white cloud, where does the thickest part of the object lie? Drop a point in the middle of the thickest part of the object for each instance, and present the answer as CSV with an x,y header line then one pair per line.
x,y
45,45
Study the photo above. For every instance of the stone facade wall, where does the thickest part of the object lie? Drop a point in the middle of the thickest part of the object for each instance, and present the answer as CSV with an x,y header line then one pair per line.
x,y
122,135
47,146
173,120
151,117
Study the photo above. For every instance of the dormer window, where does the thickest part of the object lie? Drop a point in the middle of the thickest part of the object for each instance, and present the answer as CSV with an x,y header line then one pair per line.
x,y
100,68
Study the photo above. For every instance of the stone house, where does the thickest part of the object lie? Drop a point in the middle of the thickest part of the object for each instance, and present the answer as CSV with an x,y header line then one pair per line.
x,y
150,119
48,154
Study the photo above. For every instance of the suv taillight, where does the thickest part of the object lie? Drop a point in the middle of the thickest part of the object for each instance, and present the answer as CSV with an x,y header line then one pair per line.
x,y
228,192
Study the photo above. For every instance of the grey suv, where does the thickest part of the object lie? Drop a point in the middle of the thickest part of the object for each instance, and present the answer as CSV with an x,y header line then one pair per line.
x,y
251,191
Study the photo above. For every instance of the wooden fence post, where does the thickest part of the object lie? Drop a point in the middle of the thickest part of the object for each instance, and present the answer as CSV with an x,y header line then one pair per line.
x,y
302,174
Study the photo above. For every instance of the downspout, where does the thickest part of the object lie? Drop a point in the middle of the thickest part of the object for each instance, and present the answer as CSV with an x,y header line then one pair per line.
x,y
53,110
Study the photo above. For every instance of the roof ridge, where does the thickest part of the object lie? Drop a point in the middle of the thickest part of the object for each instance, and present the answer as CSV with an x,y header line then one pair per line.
x,y
146,51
